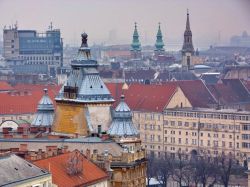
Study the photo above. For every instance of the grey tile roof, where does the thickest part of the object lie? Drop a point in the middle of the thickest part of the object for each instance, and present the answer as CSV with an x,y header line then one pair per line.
x,y
122,124
45,111
15,170
85,79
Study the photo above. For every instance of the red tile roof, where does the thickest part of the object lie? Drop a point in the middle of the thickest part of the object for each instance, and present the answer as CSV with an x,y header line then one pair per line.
x,y
115,90
24,99
197,93
143,97
4,86
155,97
230,91
57,166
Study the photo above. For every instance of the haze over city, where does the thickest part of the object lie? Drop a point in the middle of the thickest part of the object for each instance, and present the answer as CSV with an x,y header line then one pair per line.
x,y
111,21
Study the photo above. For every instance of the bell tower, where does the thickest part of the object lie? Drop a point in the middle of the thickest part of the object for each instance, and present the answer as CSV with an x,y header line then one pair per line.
x,y
83,103
187,48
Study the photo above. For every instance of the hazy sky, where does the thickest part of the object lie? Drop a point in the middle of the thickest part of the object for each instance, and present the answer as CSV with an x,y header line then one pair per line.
x,y
104,18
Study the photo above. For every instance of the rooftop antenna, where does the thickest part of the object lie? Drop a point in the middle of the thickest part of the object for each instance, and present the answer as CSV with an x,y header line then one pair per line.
x,y
16,25
51,26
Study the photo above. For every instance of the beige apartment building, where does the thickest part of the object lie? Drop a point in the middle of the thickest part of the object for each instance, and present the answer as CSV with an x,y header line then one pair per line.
x,y
195,131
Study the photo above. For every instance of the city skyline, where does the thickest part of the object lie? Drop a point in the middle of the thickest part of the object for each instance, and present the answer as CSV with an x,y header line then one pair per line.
x,y
112,22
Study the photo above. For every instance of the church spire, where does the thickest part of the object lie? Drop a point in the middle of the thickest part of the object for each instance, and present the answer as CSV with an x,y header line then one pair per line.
x,y
188,43
159,44
187,22
136,45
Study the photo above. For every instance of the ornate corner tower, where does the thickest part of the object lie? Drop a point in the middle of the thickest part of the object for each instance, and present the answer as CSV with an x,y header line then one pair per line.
x,y
45,111
136,45
187,48
83,103
122,124
159,44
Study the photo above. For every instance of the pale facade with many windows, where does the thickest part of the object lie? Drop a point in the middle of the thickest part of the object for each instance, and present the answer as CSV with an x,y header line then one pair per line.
x,y
194,131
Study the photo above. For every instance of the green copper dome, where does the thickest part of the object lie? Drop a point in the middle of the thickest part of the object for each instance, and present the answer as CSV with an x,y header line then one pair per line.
x,y
159,44
136,45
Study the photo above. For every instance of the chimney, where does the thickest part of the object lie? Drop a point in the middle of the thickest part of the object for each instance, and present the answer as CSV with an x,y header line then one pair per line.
x,y
107,161
39,154
65,149
87,154
23,147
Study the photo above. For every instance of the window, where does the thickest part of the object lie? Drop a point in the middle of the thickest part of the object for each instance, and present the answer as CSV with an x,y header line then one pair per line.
x,y
201,133
145,126
145,137
179,132
179,140
186,133
159,127
223,144
172,140
201,142
215,143
186,124
194,141
246,127
223,135
179,123
186,141
166,131
194,124
230,136
208,143
208,134
166,139
216,136
152,137
159,138
237,145
99,129
230,144
172,123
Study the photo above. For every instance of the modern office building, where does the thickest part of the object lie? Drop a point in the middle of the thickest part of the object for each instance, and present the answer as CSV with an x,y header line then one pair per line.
x,y
32,48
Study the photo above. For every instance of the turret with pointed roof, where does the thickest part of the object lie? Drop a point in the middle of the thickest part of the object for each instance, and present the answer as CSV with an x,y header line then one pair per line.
x,y
159,44
122,124
188,43
84,84
136,45
83,103
45,111
187,48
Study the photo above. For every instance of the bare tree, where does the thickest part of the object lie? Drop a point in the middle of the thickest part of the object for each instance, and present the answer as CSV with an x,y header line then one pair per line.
x,y
179,168
226,164
151,167
164,169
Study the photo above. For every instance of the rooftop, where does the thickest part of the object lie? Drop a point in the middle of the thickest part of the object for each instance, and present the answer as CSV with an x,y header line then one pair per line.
x,y
15,170
58,166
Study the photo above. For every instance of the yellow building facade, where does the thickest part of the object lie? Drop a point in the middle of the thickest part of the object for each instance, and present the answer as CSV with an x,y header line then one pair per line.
x,y
204,131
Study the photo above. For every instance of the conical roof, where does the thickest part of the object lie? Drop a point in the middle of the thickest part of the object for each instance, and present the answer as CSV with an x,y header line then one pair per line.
x,y
159,44
188,43
122,124
84,84
45,111
136,45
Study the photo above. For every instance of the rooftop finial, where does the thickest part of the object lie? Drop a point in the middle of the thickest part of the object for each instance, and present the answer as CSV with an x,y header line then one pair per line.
x,y
84,40
122,97
45,91
187,12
